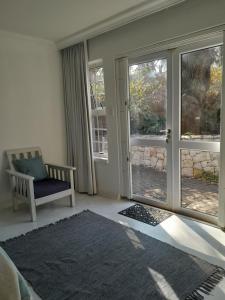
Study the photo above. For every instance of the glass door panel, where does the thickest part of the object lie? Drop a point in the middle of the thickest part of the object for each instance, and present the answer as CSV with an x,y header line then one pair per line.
x,y
149,172
199,143
201,82
200,181
148,129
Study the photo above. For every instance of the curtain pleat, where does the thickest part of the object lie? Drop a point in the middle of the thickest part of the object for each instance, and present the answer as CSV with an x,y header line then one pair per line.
x,y
78,126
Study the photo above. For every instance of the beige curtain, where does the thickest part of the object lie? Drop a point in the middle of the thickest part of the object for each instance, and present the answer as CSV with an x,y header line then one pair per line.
x,y
78,127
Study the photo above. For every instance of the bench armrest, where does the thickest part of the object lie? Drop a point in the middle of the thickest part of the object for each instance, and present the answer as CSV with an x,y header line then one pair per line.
x,y
22,186
20,175
61,166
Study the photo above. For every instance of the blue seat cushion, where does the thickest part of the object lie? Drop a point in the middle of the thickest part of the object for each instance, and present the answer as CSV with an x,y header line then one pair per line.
x,y
49,186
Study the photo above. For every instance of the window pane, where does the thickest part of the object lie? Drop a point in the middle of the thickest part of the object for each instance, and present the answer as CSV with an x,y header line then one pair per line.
x,y
199,180
148,95
201,81
149,172
98,112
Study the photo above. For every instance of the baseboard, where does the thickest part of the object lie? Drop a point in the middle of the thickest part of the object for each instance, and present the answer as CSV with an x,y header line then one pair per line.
x,y
115,196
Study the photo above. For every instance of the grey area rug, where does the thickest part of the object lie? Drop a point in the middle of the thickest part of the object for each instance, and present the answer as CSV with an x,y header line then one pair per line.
x,y
90,257
146,214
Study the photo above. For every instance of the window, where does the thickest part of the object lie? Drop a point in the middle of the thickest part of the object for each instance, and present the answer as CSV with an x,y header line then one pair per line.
x,y
98,112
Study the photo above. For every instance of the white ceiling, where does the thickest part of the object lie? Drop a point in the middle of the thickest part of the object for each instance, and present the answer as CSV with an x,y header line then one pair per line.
x,y
58,19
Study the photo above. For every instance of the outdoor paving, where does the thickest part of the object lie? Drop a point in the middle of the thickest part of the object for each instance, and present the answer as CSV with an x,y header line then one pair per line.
x,y
196,194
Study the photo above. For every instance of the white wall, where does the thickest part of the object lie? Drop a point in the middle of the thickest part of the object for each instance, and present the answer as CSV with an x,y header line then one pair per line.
x,y
31,102
189,17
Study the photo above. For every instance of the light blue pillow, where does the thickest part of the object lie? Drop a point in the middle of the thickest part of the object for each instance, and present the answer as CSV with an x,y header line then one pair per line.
x,y
32,166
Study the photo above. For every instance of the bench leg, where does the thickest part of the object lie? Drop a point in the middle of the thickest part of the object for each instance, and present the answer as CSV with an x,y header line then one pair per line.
x,y
72,199
33,211
32,201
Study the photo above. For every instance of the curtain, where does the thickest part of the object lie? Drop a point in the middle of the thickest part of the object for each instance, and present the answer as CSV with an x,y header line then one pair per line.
x,y
78,127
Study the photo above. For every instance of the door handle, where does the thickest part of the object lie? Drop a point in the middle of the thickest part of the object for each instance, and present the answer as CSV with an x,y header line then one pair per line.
x,y
168,134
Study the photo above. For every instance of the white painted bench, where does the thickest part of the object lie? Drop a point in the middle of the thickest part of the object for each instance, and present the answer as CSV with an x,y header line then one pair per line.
x,y
22,186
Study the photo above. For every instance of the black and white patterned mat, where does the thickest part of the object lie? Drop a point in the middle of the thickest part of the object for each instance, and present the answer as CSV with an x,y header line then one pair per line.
x,y
146,214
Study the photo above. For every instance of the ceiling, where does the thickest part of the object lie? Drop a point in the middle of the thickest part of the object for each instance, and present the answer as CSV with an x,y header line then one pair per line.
x,y
58,19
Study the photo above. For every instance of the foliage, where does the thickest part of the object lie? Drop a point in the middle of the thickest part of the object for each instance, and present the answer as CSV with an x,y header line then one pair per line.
x,y
207,176
201,80
97,88
148,97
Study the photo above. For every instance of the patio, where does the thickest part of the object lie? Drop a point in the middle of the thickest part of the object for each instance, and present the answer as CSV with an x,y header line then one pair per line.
x,y
196,194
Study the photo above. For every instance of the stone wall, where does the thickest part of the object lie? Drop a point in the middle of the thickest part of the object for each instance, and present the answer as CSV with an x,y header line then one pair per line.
x,y
155,157
193,162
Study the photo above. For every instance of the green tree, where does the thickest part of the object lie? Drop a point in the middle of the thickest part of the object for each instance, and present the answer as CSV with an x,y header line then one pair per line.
x,y
148,94
201,80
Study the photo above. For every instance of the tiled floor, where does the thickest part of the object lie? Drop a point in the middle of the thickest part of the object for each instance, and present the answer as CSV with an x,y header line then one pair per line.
x,y
196,194
204,241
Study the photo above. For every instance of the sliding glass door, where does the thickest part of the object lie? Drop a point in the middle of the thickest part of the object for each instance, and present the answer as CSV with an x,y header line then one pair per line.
x,y
173,129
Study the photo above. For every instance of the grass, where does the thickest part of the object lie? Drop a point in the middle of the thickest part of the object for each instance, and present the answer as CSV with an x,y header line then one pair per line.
x,y
206,176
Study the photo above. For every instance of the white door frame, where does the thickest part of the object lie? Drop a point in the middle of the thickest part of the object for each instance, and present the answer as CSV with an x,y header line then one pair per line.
x,y
221,220
122,93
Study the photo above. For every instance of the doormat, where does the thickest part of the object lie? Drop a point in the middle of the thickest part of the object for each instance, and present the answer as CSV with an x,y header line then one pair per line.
x,y
146,214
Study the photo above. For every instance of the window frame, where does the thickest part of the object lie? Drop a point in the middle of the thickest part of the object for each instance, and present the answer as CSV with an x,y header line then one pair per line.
x,y
95,64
